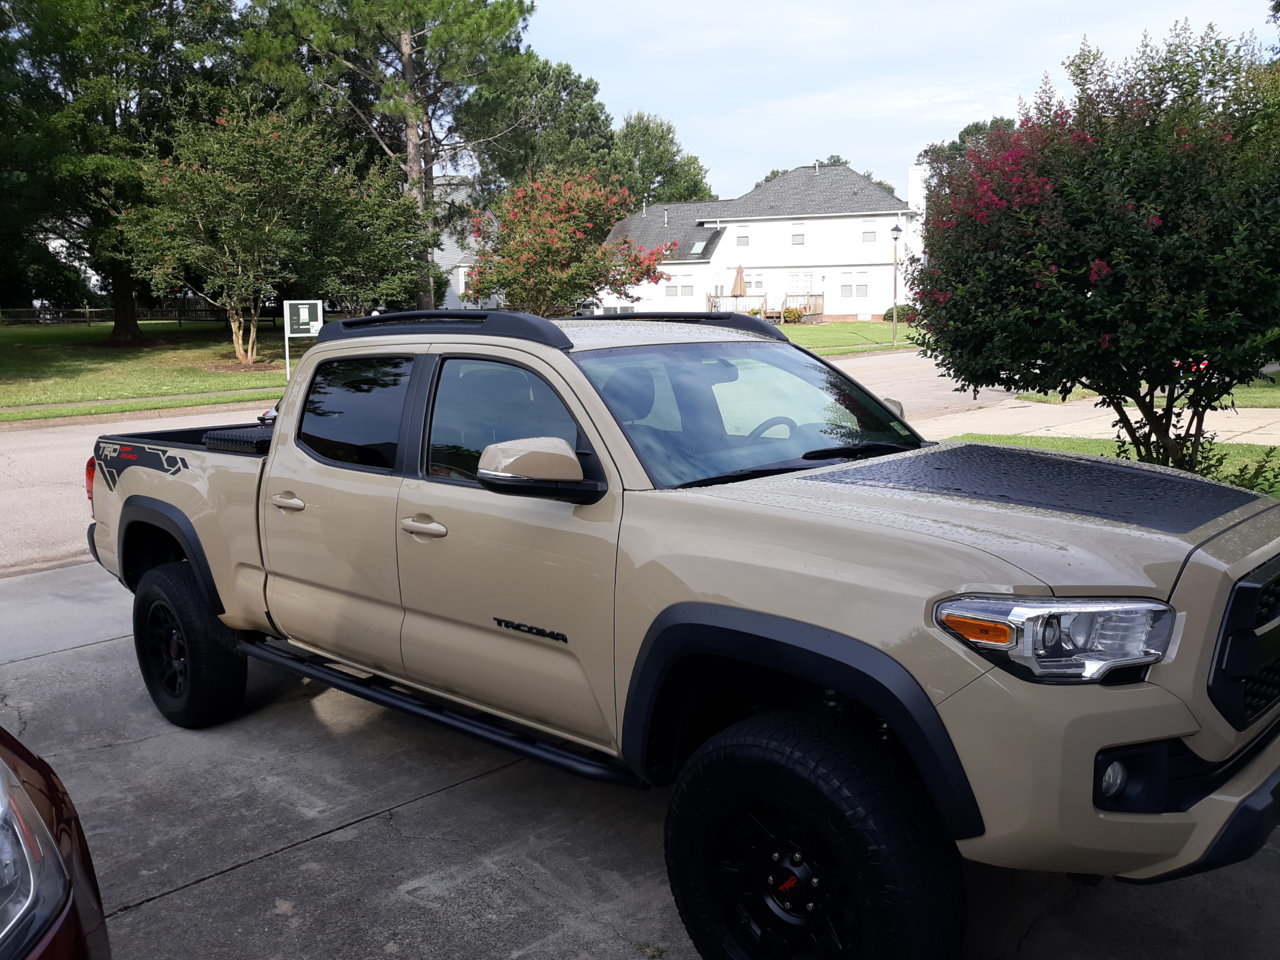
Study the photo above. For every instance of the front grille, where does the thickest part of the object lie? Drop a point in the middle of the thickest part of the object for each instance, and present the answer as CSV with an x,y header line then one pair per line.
x,y
1245,682
1261,690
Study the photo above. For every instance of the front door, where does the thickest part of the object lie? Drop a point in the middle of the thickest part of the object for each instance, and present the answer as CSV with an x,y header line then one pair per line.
x,y
509,600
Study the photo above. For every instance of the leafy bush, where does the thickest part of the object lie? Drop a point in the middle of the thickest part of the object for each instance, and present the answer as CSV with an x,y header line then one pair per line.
x,y
792,315
1104,241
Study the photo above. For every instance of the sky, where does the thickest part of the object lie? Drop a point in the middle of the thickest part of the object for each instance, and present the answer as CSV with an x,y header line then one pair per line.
x,y
753,85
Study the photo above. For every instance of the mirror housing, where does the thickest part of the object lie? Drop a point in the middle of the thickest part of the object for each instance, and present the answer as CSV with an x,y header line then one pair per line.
x,y
544,467
894,405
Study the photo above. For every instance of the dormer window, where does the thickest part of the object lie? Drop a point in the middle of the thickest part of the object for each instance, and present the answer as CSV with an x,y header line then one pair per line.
x,y
698,248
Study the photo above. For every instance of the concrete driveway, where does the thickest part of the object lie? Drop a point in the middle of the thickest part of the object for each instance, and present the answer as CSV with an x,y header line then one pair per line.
x,y
319,826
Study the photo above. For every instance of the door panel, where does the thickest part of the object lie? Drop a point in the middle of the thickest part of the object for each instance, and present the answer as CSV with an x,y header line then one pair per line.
x,y
329,521
512,605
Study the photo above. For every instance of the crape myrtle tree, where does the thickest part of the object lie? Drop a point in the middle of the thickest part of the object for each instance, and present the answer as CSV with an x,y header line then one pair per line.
x,y
542,246
252,200
1126,241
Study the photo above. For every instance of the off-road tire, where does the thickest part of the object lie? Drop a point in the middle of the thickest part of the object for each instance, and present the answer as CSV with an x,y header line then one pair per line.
x,y
792,835
187,656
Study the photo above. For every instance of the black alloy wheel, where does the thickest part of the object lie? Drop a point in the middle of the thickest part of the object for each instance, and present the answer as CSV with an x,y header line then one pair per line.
x,y
792,836
166,649
188,658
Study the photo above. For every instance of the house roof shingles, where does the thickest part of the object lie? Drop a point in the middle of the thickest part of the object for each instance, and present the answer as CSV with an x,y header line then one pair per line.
x,y
801,192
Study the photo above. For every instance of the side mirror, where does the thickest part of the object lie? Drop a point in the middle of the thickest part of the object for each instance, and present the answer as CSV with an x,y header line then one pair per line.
x,y
543,467
892,404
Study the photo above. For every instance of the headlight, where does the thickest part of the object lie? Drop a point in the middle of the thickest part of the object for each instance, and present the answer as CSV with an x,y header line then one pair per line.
x,y
1060,640
33,882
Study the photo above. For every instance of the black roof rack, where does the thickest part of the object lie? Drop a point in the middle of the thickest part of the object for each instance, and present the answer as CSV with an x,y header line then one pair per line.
x,y
734,321
487,323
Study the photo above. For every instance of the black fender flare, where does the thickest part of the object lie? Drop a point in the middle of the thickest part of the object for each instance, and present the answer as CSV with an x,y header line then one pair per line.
x,y
831,660
167,517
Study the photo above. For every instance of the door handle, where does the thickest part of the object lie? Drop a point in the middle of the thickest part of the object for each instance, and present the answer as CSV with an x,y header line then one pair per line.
x,y
423,528
286,502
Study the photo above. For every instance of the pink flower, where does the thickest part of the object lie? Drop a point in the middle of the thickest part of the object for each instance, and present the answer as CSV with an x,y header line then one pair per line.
x,y
1106,341
1099,271
1153,222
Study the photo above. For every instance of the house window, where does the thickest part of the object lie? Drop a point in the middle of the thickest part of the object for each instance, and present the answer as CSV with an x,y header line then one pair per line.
x,y
698,248
744,240
626,309
861,290
868,236
797,239
672,290
686,291
759,284
846,289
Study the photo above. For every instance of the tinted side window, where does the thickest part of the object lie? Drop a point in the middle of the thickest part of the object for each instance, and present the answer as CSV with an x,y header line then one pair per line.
x,y
353,409
479,402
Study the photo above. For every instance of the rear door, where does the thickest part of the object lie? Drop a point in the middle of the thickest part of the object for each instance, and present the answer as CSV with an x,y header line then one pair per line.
x,y
509,600
328,513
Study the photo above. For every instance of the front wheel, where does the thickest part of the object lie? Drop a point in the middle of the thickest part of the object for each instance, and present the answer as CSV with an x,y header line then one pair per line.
x,y
187,656
790,837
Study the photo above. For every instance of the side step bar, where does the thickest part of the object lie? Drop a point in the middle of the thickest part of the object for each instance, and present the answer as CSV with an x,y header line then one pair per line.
x,y
381,692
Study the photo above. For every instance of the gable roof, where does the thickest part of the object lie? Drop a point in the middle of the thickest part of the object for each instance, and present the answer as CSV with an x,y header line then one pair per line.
x,y
802,192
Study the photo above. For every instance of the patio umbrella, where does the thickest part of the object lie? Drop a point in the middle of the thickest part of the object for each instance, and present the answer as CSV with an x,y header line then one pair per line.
x,y
739,287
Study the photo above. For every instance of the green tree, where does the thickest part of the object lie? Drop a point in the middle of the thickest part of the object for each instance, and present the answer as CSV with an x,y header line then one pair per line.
x,y
532,114
93,83
256,200
543,248
1127,242
773,174
884,185
402,67
835,160
648,160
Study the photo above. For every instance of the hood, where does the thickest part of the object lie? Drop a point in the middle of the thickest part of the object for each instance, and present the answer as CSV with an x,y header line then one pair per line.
x,y
1081,524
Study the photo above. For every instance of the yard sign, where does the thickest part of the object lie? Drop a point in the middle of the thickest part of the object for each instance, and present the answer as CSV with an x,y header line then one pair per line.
x,y
302,318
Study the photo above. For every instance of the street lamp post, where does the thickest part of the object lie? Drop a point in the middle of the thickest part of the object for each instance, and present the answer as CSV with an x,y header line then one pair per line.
x,y
896,232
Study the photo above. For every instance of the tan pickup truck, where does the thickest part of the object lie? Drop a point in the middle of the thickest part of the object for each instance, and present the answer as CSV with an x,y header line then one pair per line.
x,y
678,549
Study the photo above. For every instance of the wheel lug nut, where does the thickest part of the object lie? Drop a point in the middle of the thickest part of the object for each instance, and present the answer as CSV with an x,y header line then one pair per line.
x,y
809,907
813,881
795,858
776,857
786,904
769,879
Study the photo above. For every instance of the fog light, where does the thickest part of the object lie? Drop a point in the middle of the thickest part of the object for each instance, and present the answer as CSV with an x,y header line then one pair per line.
x,y
1114,779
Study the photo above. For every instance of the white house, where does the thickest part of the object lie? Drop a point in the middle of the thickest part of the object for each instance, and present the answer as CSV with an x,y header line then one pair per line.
x,y
819,237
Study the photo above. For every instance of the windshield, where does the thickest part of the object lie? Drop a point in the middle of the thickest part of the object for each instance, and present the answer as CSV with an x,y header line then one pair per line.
x,y
698,413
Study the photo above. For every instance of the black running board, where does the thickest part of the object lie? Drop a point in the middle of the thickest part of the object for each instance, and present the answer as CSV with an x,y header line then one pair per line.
x,y
380,691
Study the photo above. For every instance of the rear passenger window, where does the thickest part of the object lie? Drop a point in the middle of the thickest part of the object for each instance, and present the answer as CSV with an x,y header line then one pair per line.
x,y
353,409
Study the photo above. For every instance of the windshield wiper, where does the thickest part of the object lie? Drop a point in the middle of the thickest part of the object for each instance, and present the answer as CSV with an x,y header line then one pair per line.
x,y
752,474
856,451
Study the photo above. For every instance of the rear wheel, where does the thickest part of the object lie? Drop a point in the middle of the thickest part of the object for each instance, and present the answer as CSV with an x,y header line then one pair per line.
x,y
186,655
790,837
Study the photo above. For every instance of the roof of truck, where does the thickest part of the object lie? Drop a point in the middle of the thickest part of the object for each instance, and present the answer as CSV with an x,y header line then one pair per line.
x,y
570,333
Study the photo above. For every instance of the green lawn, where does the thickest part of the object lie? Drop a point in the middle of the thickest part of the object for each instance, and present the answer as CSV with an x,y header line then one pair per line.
x,y
66,363
827,339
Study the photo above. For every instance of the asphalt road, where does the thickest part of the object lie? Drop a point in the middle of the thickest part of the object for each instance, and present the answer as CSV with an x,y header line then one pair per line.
x,y
318,826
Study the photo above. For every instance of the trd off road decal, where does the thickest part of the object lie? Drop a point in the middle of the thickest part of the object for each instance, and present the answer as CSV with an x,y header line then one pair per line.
x,y
114,458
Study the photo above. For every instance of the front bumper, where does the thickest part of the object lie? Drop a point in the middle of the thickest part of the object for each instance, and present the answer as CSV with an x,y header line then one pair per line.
x,y
1031,753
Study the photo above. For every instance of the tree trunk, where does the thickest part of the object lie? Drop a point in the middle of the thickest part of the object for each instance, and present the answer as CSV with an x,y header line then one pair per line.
x,y
236,320
125,329
417,162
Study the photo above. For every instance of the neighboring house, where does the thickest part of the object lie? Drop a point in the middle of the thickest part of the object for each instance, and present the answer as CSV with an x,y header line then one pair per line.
x,y
817,237
453,257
